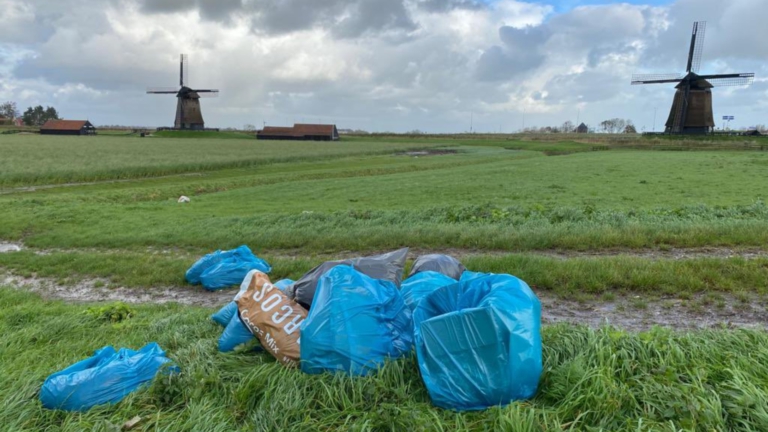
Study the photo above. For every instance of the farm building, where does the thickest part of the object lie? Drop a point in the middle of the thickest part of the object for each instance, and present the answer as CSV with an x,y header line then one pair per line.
x,y
303,132
582,128
68,127
5,121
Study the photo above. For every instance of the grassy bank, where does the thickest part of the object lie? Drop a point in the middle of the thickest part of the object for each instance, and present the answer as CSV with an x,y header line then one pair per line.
x,y
37,159
571,278
593,379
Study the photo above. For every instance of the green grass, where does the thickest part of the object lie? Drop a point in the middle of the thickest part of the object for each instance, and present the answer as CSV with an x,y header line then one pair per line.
x,y
36,159
480,198
568,278
593,380
298,204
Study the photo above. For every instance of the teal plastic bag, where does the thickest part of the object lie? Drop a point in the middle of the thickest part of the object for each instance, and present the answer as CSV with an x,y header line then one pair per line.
x,y
419,285
478,342
356,323
107,377
219,269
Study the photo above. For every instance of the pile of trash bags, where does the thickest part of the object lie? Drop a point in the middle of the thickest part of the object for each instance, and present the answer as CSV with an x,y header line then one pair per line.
x,y
476,336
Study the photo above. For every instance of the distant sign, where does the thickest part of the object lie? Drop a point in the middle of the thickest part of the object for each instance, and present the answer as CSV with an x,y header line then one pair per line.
x,y
729,117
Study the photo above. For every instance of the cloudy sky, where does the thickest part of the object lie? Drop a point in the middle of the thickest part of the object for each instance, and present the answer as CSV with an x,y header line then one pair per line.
x,y
379,65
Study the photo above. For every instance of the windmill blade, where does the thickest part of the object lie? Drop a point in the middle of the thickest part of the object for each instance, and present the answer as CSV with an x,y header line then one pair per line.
x,y
729,80
162,90
692,49
656,78
700,30
184,70
207,93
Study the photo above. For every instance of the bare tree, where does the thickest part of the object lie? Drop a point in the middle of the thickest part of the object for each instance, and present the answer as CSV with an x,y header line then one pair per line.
x,y
9,110
567,127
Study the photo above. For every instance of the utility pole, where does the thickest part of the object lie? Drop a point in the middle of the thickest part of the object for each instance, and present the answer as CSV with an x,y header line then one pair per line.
x,y
471,121
654,119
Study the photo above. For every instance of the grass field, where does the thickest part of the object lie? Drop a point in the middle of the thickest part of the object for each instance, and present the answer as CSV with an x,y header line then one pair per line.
x,y
594,379
571,221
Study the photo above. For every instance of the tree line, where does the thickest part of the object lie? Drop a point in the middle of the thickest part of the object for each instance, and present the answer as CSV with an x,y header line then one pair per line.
x,y
615,125
32,116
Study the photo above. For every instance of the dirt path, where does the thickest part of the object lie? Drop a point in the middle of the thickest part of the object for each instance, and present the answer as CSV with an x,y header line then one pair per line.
x,y
627,312
75,184
668,253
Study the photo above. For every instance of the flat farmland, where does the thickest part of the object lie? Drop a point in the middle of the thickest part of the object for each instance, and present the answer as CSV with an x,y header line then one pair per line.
x,y
637,236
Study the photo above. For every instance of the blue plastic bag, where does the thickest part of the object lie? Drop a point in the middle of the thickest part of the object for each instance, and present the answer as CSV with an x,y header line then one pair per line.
x,y
209,260
236,333
355,324
107,377
224,269
478,342
419,285
225,314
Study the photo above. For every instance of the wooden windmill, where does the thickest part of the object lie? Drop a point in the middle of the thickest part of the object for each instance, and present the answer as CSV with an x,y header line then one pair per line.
x,y
188,113
691,111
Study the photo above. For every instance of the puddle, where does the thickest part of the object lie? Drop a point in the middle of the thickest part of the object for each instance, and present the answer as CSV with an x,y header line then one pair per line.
x,y
632,313
9,247
430,152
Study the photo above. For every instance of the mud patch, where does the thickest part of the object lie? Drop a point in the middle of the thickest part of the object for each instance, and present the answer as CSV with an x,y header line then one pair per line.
x,y
95,290
629,312
9,247
637,313
428,152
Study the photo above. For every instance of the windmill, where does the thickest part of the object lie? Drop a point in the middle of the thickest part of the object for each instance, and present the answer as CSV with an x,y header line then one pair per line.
x,y
188,114
691,111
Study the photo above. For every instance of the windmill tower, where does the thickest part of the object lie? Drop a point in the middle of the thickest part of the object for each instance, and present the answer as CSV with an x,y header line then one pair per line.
x,y
691,111
188,113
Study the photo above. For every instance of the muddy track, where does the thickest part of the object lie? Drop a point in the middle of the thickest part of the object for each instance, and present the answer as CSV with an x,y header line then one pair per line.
x,y
92,183
633,313
660,254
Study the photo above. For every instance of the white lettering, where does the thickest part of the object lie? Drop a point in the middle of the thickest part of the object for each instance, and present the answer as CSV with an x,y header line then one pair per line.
x,y
278,319
270,303
293,325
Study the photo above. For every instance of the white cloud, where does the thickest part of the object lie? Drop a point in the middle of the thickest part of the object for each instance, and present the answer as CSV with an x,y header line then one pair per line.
x,y
379,65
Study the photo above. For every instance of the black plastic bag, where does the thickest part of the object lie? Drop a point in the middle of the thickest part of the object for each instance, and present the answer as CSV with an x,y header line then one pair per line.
x,y
443,264
388,266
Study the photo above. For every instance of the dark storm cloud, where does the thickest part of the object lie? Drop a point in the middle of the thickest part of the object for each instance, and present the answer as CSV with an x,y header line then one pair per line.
x,y
344,18
217,10
447,5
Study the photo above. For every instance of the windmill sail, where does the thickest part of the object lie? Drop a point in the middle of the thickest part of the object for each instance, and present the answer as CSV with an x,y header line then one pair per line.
x,y
691,110
188,112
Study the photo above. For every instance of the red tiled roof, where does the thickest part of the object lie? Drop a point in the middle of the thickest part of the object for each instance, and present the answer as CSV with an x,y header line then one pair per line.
x,y
71,125
299,130
313,129
277,131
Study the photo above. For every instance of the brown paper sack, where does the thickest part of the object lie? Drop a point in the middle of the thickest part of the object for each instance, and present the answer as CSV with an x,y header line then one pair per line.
x,y
272,317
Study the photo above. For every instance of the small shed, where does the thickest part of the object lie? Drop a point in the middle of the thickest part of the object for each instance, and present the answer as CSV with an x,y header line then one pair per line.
x,y
582,128
300,132
68,127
